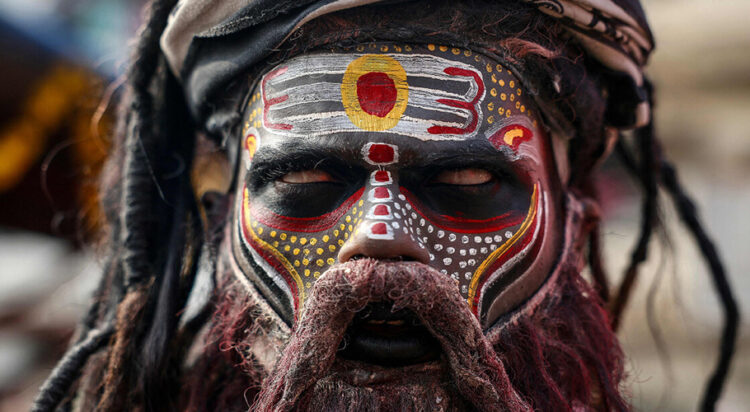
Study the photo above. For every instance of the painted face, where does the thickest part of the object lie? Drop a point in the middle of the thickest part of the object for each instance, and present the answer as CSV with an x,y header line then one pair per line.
x,y
399,152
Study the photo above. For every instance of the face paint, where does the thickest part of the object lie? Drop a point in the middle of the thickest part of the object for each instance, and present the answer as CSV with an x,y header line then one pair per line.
x,y
388,151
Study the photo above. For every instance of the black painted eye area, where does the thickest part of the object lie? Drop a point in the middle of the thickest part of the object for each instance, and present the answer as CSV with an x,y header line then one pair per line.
x,y
305,188
472,192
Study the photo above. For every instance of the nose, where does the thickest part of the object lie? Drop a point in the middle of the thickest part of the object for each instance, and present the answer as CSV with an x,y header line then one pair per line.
x,y
381,235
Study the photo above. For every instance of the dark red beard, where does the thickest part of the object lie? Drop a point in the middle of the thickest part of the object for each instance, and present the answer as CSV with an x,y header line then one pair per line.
x,y
558,356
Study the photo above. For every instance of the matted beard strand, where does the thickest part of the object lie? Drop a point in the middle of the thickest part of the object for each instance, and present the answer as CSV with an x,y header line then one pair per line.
x,y
474,368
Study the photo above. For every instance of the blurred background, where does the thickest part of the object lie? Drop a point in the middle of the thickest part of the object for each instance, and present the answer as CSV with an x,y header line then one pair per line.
x,y
61,59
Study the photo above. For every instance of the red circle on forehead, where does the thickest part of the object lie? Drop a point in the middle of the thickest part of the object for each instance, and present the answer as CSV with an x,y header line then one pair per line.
x,y
376,93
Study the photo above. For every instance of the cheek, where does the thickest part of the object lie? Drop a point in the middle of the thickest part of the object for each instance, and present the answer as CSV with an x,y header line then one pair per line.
x,y
293,252
476,253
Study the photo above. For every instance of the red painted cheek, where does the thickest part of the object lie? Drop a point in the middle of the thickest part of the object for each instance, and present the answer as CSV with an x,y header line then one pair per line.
x,y
376,93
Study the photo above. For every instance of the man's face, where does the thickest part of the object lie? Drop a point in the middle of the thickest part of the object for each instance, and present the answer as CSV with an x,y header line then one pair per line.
x,y
398,153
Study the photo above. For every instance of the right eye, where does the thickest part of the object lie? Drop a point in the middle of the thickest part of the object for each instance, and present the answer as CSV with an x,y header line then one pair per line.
x,y
307,176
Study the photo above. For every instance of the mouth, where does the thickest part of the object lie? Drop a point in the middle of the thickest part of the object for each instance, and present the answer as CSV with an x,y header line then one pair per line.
x,y
380,336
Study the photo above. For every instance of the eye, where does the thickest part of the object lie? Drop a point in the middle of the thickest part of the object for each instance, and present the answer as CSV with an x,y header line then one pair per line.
x,y
307,176
463,177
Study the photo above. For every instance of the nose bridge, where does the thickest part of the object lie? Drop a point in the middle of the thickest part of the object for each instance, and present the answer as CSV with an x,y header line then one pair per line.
x,y
381,235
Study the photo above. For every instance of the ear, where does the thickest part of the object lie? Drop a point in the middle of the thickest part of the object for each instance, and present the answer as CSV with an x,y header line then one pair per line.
x,y
211,178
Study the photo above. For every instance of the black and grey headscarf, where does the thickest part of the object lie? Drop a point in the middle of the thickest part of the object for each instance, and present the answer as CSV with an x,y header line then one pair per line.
x,y
208,43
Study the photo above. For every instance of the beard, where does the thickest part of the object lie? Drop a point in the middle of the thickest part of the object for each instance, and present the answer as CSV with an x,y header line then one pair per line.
x,y
556,352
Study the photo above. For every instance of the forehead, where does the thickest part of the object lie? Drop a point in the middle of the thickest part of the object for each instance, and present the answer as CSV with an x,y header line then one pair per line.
x,y
409,94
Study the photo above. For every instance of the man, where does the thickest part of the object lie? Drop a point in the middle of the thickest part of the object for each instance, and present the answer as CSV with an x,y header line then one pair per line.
x,y
403,210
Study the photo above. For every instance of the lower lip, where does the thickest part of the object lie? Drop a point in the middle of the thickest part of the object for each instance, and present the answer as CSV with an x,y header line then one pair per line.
x,y
391,346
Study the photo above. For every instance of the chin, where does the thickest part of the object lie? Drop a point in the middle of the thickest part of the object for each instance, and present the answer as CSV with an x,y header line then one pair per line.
x,y
368,339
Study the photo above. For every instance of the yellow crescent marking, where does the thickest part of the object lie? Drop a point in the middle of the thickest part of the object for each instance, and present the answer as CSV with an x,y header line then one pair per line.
x,y
510,135
273,251
251,145
367,64
505,247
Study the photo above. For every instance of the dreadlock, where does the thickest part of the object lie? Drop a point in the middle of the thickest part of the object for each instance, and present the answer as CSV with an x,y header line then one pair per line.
x,y
156,238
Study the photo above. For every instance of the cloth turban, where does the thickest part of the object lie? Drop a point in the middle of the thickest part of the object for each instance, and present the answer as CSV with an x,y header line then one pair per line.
x,y
208,43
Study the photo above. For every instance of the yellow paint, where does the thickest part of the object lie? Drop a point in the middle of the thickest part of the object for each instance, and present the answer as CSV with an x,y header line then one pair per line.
x,y
431,47
296,263
316,274
282,236
341,242
293,239
313,241
493,92
491,106
443,48
326,238
307,273
302,240
319,250
505,246
501,82
361,202
499,68
331,261
336,232
374,63
384,49
511,135
273,233
467,53
512,84
331,248
491,119
320,262
278,255
305,261
489,68
503,96
456,51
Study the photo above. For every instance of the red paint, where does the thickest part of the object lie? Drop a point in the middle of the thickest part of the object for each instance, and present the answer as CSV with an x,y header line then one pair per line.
x,y
273,262
304,224
500,261
463,225
267,103
470,106
381,153
498,139
381,210
379,229
381,193
382,176
376,93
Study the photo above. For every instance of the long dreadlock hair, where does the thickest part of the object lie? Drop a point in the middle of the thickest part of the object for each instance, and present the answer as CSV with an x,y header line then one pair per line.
x,y
155,234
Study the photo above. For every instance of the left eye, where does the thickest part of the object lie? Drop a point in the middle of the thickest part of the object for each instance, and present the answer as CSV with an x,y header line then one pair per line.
x,y
463,177
307,176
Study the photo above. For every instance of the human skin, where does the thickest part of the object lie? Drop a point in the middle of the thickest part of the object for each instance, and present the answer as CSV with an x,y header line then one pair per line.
x,y
399,153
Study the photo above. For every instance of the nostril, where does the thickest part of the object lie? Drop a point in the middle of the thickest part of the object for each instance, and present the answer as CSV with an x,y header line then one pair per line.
x,y
357,257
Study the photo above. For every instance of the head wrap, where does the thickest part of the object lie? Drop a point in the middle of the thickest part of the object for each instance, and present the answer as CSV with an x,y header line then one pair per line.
x,y
208,43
